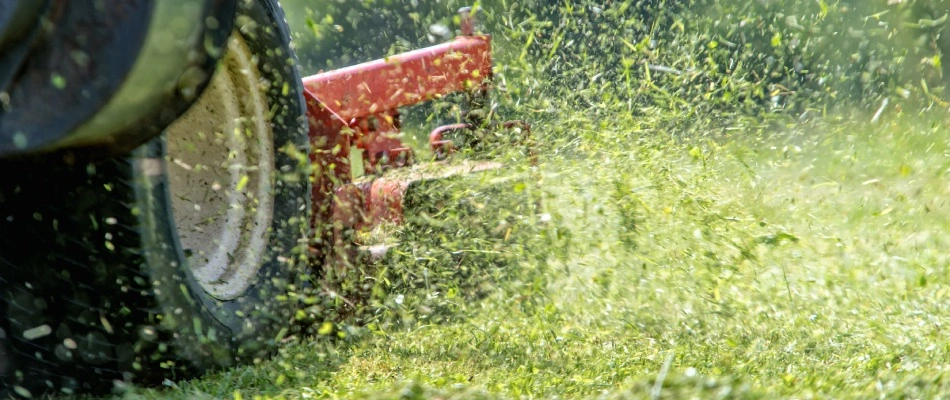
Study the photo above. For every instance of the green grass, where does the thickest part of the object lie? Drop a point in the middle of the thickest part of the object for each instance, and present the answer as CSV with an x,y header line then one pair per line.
x,y
808,261
696,241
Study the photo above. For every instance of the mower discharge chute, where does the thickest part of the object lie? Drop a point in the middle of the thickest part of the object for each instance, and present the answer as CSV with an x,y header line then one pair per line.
x,y
165,186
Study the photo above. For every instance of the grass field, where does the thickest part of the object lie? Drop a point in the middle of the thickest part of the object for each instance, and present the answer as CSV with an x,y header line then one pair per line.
x,y
799,261
692,243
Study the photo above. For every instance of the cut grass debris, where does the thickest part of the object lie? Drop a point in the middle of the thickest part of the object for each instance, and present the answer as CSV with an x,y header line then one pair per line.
x,y
807,263
717,222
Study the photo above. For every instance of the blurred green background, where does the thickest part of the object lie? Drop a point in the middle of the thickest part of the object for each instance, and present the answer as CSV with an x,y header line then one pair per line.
x,y
752,56
331,33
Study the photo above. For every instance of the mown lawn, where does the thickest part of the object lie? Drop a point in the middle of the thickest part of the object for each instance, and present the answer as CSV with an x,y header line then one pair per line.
x,y
796,261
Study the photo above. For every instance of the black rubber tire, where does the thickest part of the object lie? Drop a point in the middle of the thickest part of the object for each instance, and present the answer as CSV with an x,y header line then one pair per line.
x,y
84,54
95,289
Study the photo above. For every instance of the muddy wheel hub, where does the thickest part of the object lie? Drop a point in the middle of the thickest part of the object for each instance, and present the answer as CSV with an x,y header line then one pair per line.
x,y
221,163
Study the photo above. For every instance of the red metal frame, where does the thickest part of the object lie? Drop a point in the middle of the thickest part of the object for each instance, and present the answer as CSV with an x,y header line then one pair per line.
x,y
404,79
366,98
354,115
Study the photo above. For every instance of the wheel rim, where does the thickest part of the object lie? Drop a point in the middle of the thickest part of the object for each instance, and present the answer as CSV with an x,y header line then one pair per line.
x,y
220,160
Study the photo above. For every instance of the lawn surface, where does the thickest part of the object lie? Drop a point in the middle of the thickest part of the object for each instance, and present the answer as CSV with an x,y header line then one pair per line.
x,y
701,234
804,261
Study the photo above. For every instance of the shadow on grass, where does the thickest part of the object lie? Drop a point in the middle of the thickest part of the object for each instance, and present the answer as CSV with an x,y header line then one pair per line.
x,y
300,366
463,240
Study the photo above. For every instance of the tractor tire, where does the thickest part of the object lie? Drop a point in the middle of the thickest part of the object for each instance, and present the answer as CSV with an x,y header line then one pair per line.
x,y
173,259
122,70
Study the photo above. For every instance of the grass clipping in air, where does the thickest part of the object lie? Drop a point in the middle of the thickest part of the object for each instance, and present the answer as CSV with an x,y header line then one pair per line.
x,y
744,230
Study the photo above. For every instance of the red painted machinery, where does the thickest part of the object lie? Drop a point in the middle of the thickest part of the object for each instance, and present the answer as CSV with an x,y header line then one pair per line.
x,y
355,126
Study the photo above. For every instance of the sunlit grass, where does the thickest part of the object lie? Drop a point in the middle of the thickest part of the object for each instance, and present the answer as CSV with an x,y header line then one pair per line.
x,y
696,239
807,262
